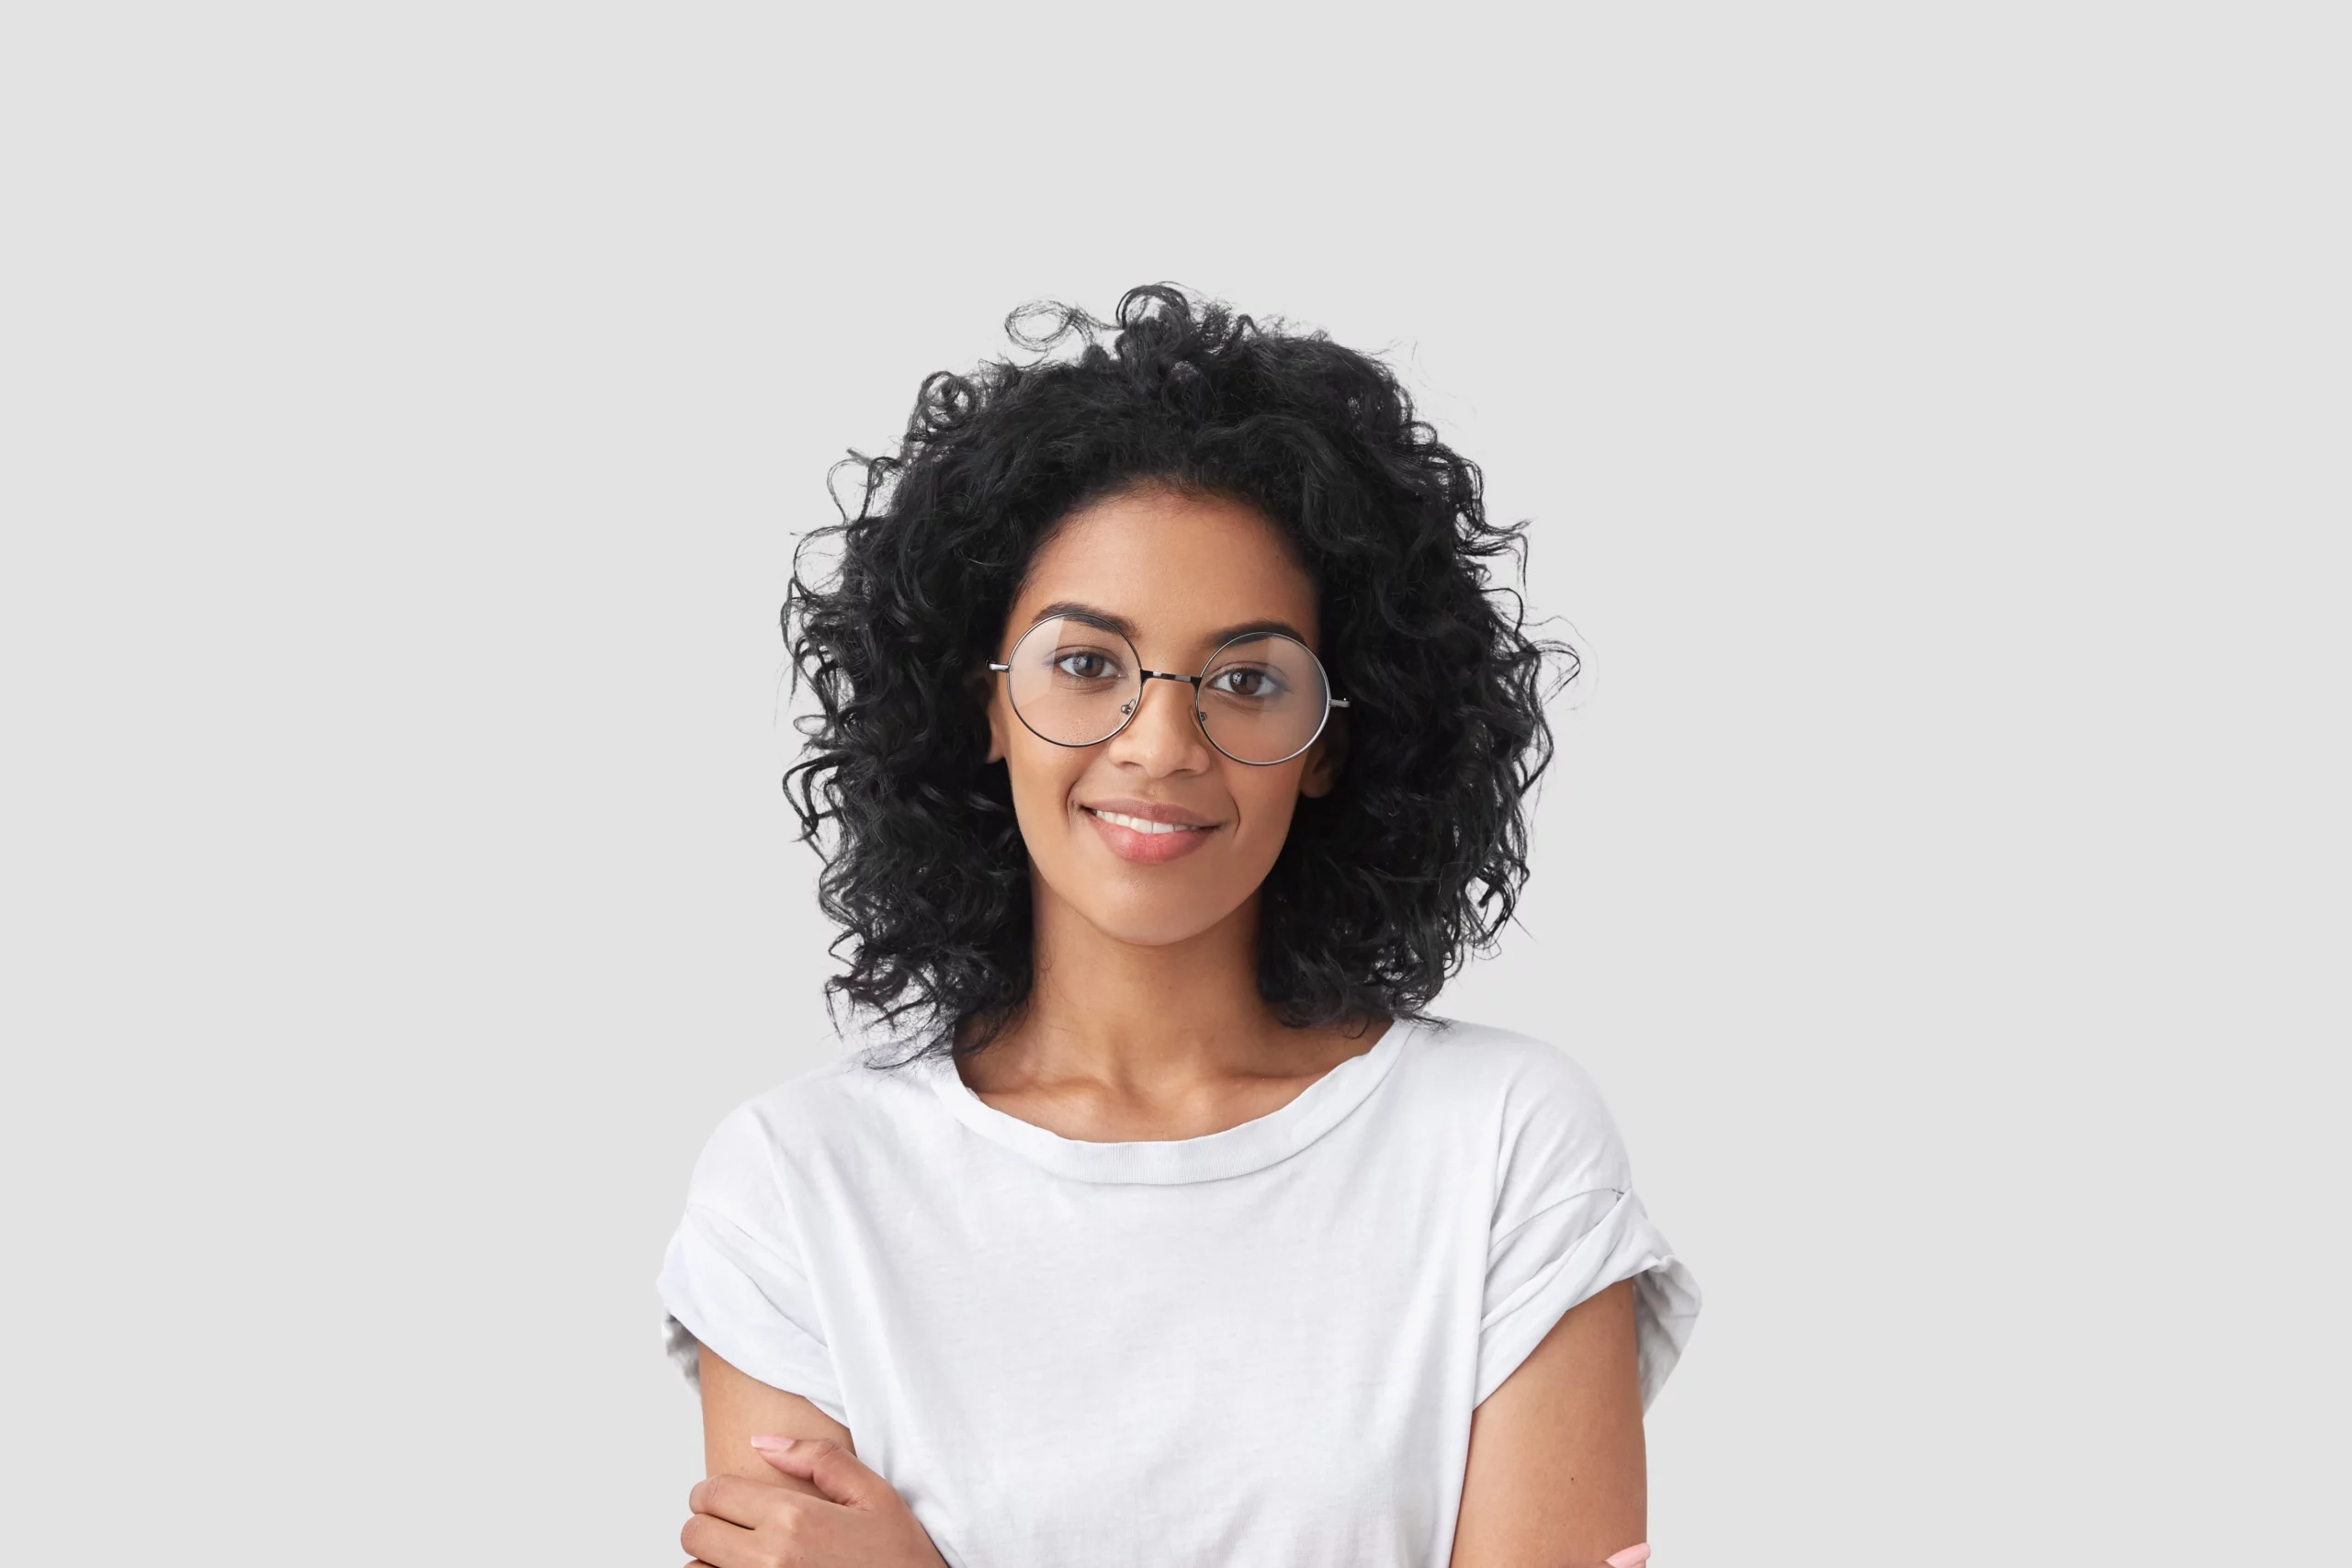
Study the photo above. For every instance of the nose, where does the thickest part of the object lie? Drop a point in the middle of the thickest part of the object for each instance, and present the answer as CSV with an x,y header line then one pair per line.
x,y
1163,737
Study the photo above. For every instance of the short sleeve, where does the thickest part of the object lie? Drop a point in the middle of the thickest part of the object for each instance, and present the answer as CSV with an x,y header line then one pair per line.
x,y
733,1278
1567,1225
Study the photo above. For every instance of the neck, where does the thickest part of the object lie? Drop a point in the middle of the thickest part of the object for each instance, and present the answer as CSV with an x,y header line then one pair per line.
x,y
1148,1019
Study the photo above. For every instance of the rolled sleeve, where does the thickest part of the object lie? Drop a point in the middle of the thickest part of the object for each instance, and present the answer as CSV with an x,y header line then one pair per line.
x,y
1569,1253
1567,1225
730,1279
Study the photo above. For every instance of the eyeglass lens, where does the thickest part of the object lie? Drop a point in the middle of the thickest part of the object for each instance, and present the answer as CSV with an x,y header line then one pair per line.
x,y
1261,699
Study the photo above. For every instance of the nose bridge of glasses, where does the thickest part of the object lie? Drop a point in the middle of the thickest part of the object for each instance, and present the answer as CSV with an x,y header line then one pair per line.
x,y
1143,688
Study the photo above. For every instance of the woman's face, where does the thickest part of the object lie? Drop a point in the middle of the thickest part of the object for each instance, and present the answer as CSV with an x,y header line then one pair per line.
x,y
1177,574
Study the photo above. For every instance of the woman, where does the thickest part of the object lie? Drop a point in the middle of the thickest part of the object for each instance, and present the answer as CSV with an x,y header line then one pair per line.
x,y
1173,751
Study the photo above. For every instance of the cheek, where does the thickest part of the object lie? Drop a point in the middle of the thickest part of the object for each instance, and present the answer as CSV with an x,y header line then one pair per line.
x,y
1043,776
1266,800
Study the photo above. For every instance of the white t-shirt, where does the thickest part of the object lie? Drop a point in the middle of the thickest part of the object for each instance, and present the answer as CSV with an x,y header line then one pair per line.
x,y
1259,1347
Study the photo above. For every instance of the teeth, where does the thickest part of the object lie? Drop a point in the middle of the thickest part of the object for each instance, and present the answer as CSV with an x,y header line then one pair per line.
x,y
1140,825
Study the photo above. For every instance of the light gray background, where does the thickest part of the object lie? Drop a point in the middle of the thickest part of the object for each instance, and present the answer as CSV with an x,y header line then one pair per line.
x,y
1934,423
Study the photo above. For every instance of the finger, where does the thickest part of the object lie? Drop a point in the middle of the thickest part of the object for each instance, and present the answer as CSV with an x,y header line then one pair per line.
x,y
840,1474
715,1542
737,1499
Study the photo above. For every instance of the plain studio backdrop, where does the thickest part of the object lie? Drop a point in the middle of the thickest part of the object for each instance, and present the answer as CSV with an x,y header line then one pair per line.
x,y
1933,425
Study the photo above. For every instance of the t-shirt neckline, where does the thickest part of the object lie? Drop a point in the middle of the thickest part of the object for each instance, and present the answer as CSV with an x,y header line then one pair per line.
x,y
1236,1151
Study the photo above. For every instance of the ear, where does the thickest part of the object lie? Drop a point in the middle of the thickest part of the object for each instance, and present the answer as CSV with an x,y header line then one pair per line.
x,y
1326,757
985,688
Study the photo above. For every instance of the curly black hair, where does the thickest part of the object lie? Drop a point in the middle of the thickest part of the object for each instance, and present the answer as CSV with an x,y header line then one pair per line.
x,y
1384,886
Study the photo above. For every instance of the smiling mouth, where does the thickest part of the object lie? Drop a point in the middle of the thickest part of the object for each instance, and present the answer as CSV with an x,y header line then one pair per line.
x,y
1143,825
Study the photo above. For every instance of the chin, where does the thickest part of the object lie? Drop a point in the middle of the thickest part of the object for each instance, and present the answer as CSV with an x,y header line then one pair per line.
x,y
1150,917
1150,928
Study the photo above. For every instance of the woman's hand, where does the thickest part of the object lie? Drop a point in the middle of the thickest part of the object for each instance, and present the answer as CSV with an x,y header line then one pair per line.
x,y
860,1522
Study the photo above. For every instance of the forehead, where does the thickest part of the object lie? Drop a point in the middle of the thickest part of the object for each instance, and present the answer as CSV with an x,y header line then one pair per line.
x,y
1177,567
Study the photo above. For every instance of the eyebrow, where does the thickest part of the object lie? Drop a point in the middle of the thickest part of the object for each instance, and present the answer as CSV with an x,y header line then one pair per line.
x,y
1071,609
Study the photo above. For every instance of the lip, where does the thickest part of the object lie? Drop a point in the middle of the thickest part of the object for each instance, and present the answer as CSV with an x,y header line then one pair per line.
x,y
1147,848
1150,811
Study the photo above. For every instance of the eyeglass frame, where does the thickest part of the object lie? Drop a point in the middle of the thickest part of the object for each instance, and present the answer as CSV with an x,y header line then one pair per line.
x,y
1142,674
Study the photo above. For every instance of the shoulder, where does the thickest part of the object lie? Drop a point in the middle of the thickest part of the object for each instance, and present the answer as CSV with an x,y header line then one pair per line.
x,y
1543,1108
1520,1070
828,1108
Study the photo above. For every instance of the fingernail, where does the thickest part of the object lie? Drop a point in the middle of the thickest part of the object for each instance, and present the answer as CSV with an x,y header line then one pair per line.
x,y
766,1444
1631,1557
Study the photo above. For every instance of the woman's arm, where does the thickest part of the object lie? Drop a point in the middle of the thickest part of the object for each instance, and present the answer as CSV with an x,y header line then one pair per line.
x,y
1556,1475
736,1406
741,1517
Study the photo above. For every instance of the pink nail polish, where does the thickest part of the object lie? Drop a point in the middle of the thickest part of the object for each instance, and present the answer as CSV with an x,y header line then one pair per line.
x,y
1631,1557
766,1444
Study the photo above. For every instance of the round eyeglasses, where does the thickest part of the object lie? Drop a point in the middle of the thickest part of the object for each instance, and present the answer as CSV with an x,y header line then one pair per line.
x,y
1261,699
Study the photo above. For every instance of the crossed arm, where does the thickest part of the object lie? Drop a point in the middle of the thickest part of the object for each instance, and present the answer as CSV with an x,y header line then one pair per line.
x,y
1556,1475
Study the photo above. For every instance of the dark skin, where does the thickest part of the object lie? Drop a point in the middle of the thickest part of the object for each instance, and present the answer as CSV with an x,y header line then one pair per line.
x,y
1146,1024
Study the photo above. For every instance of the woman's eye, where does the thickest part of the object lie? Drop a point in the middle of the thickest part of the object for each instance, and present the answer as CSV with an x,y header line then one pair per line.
x,y
1084,664
1246,682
